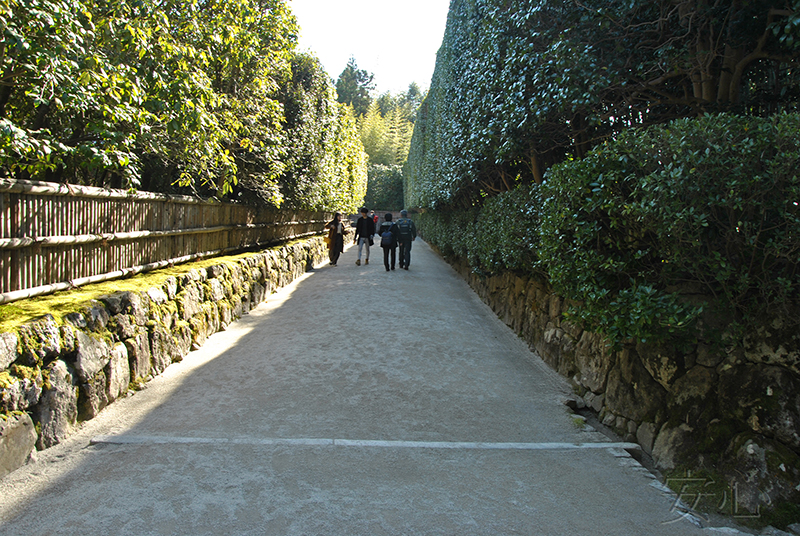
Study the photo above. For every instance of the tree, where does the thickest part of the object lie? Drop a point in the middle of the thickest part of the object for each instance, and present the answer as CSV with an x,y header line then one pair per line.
x,y
521,85
172,94
325,168
386,129
384,187
354,86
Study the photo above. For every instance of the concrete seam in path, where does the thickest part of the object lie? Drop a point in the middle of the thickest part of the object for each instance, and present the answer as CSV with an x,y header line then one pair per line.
x,y
314,442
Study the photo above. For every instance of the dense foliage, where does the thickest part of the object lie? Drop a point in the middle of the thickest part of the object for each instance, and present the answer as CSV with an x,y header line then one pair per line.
x,y
325,166
386,131
502,235
353,87
384,187
145,94
521,85
648,228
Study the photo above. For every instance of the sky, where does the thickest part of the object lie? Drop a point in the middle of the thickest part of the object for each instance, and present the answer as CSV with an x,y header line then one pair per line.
x,y
396,40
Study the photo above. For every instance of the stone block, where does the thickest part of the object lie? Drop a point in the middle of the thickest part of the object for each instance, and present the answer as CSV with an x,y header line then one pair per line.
x,y
663,364
91,356
216,290
57,410
764,472
766,398
182,333
118,372
593,361
225,314
693,394
122,326
645,436
162,348
170,286
189,301
8,349
68,341
631,391
157,295
132,303
598,401
21,393
92,396
17,442
257,294
216,271
97,316
670,444
76,320
40,340
138,348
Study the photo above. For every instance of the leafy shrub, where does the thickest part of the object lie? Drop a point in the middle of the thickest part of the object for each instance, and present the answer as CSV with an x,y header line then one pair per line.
x,y
706,206
384,187
502,235
507,231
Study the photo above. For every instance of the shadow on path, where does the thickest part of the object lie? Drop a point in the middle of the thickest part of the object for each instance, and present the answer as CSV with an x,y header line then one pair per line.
x,y
355,401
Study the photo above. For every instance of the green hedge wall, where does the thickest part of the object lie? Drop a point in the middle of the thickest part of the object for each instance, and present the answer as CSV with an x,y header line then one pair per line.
x,y
653,227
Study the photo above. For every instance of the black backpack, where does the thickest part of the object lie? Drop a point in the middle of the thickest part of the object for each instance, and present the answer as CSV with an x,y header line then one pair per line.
x,y
404,228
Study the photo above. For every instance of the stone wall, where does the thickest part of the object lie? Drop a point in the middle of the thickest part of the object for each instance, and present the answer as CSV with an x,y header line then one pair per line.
x,y
55,373
731,410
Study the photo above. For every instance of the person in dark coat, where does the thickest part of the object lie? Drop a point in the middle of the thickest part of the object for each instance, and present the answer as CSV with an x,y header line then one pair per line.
x,y
388,241
406,232
337,232
365,229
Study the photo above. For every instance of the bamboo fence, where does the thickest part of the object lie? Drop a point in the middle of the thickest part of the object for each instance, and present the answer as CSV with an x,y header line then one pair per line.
x,y
57,236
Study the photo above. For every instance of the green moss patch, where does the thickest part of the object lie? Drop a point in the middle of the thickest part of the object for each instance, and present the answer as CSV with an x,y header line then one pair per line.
x,y
62,303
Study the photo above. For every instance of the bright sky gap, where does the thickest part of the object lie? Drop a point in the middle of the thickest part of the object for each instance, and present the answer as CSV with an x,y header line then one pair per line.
x,y
396,41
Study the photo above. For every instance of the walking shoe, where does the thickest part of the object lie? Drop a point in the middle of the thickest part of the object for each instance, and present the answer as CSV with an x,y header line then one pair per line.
x,y
366,262
405,267
358,262
387,269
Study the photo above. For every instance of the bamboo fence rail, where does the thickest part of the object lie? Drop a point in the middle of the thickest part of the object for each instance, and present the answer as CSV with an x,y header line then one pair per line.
x,y
56,236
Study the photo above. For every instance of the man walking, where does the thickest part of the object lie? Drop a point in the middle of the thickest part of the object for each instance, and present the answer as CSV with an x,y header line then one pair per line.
x,y
406,232
365,229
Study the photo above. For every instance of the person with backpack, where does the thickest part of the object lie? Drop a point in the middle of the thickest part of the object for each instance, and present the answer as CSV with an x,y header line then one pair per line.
x,y
365,229
406,232
388,241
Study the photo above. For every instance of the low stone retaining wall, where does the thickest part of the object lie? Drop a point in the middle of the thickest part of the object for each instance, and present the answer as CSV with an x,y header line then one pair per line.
x,y
733,411
55,373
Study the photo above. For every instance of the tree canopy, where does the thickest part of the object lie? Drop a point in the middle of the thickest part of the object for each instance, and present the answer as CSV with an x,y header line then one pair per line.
x,y
353,87
386,131
146,94
521,85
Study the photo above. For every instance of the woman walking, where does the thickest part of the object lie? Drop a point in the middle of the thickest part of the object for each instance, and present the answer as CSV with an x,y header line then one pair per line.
x,y
336,234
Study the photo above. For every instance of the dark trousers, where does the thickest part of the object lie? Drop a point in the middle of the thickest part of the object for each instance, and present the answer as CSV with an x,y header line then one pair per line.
x,y
405,253
336,250
386,257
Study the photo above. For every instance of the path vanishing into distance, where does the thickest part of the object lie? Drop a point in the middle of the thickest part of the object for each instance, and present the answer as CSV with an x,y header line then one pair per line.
x,y
353,402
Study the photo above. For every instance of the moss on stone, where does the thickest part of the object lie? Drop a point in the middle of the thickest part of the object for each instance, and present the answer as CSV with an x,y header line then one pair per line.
x,y
6,379
62,303
26,373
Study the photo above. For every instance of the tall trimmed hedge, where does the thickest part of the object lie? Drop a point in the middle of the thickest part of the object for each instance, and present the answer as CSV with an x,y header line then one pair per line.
x,y
649,228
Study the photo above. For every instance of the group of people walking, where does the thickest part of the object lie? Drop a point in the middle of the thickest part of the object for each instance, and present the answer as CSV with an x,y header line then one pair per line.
x,y
393,234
